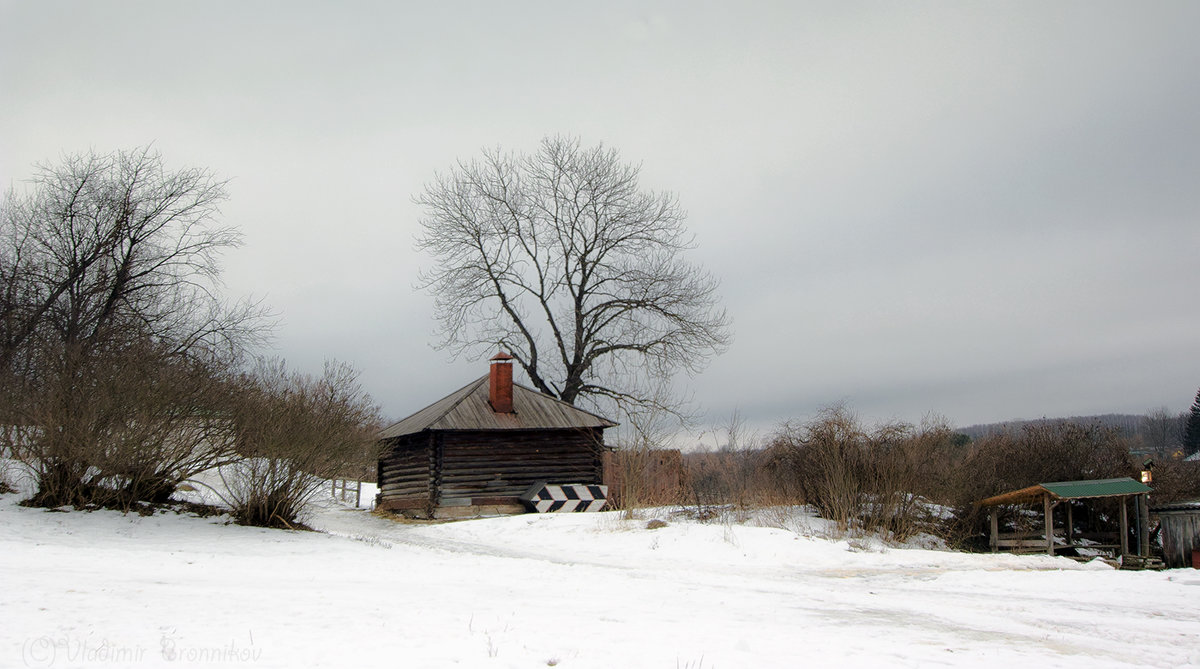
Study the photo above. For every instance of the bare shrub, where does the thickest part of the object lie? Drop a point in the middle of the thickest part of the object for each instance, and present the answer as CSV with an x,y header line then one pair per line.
x,y
727,477
642,476
862,479
7,466
643,470
122,426
1038,453
1045,452
295,432
171,423
729,473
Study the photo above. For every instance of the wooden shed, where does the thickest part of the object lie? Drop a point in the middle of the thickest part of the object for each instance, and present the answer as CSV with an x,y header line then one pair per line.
x,y
1065,499
1179,525
475,451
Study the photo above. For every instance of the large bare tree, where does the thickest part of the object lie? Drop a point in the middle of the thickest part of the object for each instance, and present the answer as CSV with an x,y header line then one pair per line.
x,y
109,244
109,262
562,259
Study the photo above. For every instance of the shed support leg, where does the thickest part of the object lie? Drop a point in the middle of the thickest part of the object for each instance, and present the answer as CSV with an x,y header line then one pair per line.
x,y
1048,508
994,522
1144,523
1125,525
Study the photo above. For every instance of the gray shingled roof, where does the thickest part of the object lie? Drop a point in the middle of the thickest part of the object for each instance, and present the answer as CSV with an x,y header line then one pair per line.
x,y
468,409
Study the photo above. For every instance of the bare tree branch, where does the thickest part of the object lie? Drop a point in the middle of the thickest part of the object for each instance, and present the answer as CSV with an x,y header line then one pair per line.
x,y
113,335
562,259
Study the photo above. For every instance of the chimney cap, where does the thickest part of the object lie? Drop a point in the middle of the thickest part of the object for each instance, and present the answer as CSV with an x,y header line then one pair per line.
x,y
501,356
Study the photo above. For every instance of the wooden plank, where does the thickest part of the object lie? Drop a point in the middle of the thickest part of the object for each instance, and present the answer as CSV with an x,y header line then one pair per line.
x,y
1024,535
393,490
515,468
1038,543
497,500
511,478
405,475
402,504
1098,536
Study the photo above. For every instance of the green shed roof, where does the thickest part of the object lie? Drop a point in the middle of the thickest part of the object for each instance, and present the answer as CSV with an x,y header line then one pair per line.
x,y
1097,488
1070,490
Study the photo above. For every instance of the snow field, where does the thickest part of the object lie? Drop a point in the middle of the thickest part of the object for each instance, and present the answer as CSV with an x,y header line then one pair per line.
x,y
580,590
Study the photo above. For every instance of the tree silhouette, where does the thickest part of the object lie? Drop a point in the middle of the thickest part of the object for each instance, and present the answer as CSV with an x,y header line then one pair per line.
x,y
1191,434
562,259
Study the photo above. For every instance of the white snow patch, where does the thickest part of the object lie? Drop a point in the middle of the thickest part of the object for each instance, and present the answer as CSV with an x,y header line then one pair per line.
x,y
581,590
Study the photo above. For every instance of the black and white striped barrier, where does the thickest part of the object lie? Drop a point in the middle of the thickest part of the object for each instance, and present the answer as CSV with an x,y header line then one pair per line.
x,y
547,498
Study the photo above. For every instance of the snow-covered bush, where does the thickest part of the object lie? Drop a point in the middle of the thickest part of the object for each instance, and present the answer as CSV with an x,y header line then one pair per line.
x,y
295,432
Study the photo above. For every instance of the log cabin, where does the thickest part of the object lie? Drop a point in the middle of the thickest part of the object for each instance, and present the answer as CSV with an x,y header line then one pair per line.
x,y
475,451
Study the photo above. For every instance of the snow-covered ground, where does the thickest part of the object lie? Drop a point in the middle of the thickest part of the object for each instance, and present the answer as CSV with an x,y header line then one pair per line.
x,y
584,590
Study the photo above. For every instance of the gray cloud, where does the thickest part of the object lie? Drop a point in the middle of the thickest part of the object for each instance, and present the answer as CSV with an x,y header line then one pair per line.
x,y
984,211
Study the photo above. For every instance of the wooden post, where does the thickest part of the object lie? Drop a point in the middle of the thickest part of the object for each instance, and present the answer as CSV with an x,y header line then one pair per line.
x,y
994,521
1049,510
1124,525
1137,524
1144,522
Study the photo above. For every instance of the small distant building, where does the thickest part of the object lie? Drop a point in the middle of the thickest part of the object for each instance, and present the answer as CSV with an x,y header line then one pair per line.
x,y
475,451
1179,524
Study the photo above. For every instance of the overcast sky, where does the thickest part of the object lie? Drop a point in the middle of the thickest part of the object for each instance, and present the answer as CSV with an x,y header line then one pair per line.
x,y
986,211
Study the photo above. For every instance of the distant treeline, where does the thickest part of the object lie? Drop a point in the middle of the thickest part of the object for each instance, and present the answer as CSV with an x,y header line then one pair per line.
x,y
1153,431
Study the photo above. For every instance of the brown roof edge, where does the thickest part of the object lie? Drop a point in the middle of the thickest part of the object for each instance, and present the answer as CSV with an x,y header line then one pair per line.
x,y
1033,492
434,411
477,413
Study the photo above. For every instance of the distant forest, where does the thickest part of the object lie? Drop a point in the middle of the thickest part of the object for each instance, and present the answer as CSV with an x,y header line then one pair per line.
x,y
1157,431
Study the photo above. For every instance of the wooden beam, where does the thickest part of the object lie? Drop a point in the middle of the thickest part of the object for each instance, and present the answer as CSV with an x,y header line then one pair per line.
x,y
1028,495
1049,511
994,521
1124,525
1144,525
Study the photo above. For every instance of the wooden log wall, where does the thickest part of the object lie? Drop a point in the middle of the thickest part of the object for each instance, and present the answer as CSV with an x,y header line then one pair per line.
x,y
487,468
404,471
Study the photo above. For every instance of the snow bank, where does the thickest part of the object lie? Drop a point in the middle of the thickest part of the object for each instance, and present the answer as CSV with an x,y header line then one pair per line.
x,y
581,590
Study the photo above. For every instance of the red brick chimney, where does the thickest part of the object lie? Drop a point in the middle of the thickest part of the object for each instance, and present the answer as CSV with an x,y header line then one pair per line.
x,y
500,383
